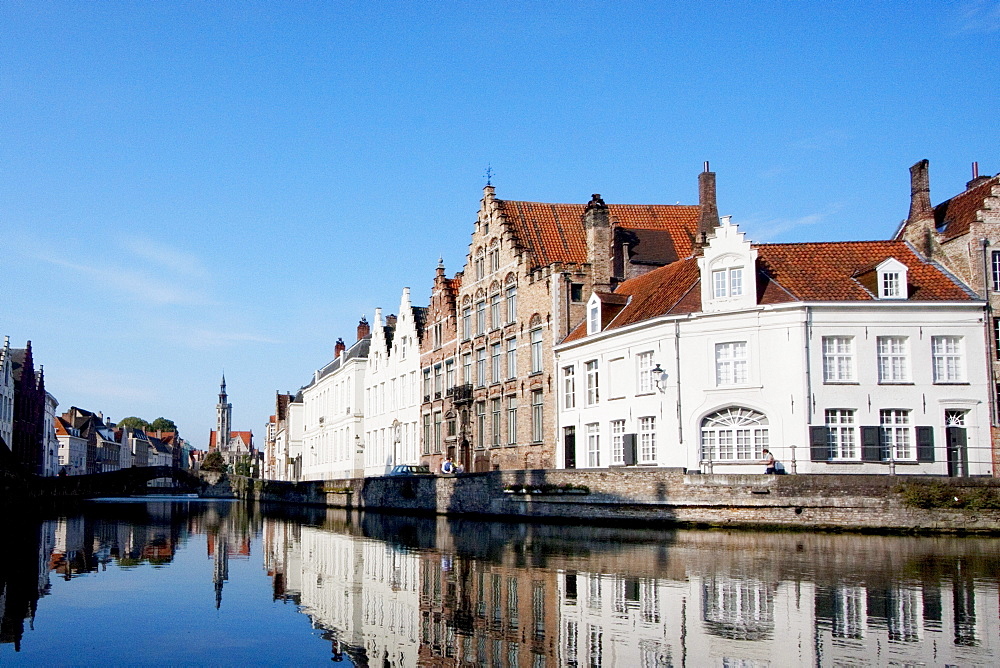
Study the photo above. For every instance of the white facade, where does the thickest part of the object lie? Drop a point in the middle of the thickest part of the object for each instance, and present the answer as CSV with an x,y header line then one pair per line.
x,y
292,435
50,444
328,423
887,384
6,393
391,392
72,453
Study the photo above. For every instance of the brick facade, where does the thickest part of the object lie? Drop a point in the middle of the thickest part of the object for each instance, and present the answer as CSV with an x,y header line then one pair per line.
x,y
444,423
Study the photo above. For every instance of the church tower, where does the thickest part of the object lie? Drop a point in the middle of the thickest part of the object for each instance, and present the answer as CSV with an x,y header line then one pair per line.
x,y
223,419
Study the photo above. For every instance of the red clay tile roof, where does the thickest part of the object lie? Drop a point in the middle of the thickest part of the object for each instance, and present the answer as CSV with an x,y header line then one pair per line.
x,y
953,216
786,273
246,436
554,232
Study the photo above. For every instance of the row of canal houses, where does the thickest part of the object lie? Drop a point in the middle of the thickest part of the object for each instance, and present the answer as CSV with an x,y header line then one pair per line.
x,y
75,442
603,335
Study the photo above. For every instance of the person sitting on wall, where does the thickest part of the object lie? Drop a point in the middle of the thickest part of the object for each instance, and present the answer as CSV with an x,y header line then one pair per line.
x,y
768,462
447,467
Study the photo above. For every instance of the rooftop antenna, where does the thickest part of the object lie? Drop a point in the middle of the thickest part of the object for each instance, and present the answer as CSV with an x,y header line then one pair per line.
x,y
488,174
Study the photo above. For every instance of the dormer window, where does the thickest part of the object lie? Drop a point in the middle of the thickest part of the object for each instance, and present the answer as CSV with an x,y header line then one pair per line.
x,y
594,316
892,279
727,282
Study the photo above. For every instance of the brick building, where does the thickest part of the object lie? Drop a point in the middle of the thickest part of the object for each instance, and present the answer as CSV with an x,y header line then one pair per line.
x,y
28,433
444,412
963,234
530,269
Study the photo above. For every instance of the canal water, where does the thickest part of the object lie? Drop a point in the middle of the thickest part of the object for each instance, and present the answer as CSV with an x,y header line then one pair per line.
x,y
222,583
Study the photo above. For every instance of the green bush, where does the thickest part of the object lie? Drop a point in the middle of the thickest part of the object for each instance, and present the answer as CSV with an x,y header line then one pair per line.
x,y
214,462
942,495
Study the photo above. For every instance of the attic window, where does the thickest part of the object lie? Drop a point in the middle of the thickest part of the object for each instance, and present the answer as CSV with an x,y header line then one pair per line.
x,y
594,317
727,282
892,279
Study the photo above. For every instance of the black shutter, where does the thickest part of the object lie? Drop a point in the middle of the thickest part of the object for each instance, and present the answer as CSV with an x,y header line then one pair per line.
x,y
631,451
871,449
819,444
925,444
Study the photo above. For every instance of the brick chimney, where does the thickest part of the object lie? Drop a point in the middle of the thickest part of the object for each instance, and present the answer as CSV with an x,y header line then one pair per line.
x,y
597,226
920,227
976,178
364,329
390,320
709,218
339,348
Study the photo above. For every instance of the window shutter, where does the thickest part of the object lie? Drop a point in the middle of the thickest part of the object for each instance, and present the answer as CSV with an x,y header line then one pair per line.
x,y
819,444
631,450
871,449
925,444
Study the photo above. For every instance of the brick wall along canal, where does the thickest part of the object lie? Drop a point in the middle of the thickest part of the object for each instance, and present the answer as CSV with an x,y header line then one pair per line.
x,y
223,583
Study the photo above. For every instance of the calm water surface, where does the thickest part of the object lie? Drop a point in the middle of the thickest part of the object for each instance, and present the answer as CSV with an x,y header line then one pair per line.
x,y
216,583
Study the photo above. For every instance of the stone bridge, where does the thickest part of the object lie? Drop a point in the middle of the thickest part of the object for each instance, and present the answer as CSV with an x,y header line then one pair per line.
x,y
124,482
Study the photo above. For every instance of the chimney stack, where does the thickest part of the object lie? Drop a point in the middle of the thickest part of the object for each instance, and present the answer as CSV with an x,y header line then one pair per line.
x,y
709,218
364,329
597,226
976,178
920,192
339,348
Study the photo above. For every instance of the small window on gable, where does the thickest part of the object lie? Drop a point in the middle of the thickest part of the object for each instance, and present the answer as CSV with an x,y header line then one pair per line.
x,y
892,279
593,315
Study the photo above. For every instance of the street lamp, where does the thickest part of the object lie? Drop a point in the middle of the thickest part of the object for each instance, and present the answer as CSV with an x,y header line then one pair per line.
x,y
659,378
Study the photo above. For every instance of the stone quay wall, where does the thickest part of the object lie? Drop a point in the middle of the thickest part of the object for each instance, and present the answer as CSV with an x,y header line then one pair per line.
x,y
640,497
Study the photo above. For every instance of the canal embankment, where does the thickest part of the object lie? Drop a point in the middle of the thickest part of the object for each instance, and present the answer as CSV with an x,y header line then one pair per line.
x,y
631,497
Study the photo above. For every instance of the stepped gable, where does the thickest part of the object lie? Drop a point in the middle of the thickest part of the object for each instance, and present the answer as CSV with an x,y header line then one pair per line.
x,y
952,217
813,272
553,233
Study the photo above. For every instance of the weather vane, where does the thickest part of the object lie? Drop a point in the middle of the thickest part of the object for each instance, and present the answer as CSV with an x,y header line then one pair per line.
x,y
489,175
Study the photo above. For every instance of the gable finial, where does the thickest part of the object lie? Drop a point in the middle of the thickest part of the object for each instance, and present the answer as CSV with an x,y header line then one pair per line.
x,y
488,174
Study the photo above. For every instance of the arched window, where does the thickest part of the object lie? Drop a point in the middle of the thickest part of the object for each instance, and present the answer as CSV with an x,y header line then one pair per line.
x,y
511,296
734,434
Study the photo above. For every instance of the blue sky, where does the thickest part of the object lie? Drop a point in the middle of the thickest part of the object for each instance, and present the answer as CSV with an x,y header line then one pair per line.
x,y
187,187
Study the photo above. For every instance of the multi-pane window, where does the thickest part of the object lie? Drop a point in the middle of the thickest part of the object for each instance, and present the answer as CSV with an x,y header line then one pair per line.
x,y
594,317
893,362
569,386
511,302
438,381
495,316
480,317
593,383
427,433
479,265
495,360
449,373
731,363
537,428
644,372
536,351
437,333
467,368
495,405
734,433
593,445
494,258
727,282
512,358
842,434
481,367
838,359
511,420
647,440
947,353
892,285
427,384
467,322
996,271
618,441
895,434
437,432
480,424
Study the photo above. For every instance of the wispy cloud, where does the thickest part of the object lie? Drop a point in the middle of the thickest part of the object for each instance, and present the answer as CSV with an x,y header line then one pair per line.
x,y
977,17
201,338
94,387
820,142
767,230
141,282
161,255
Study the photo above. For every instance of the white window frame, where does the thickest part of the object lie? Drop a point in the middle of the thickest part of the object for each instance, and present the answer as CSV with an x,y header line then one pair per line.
x,y
569,386
511,302
727,282
644,372
511,420
721,442
647,440
995,265
512,358
896,435
593,382
593,445
594,317
948,356
838,359
536,350
617,429
496,368
537,416
732,363
842,434
893,359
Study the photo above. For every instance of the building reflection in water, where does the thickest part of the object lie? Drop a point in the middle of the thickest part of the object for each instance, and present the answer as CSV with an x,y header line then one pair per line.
x,y
392,591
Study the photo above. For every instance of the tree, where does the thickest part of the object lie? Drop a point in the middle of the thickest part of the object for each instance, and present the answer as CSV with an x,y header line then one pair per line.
x,y
243,466
214,462
133,423
163,424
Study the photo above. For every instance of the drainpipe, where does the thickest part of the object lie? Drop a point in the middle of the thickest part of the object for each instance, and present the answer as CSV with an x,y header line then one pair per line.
x,y
809,405
990,344
677,375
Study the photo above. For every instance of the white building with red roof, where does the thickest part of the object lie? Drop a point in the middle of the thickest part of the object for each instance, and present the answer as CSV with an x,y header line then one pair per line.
x,y
846,357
